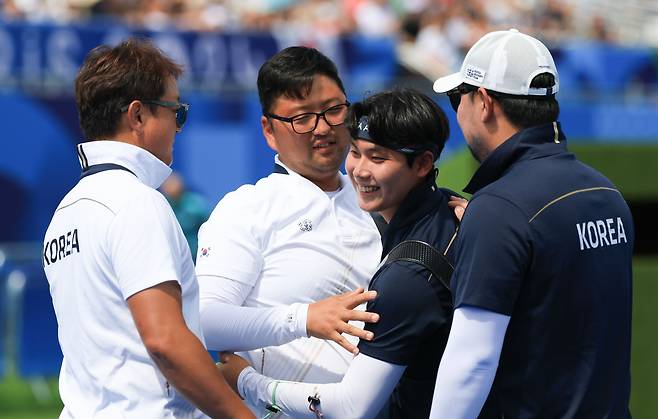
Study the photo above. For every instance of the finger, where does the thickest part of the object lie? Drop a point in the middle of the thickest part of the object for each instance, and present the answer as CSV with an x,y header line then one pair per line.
x,y
358,332
355,300
362,316
350,294
457,198
459,212
225,357
457,203
349,347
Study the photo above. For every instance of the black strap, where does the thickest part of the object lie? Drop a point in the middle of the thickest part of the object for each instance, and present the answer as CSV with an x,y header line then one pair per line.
x,y
97,168
279,169
380,222
422,253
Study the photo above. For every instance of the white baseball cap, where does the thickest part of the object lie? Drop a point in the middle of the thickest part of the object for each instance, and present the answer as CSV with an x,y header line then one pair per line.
x,y
505,62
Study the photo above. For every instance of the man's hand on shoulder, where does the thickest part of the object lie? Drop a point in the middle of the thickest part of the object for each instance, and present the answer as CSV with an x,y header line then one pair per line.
x,y
328,318
458,205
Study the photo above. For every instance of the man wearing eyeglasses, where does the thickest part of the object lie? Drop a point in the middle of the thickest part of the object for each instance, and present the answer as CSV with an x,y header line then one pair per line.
x,y
271,251
120,271
542,282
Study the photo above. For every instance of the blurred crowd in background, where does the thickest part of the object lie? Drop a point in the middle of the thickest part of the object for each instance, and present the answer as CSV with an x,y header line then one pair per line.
x,y
450,24
432,35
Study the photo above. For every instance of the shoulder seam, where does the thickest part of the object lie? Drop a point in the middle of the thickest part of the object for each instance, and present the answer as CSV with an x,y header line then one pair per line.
x,y
568,194
87,199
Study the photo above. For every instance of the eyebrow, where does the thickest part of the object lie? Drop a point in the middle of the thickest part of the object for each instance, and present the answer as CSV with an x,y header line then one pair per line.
x,y
323,105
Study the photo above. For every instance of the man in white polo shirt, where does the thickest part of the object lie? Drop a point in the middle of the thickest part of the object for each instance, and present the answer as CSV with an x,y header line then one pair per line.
x,y
120,271
271,250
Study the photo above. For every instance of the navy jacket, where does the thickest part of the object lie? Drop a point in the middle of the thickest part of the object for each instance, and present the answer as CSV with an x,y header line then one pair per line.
x,y
548,241
415,314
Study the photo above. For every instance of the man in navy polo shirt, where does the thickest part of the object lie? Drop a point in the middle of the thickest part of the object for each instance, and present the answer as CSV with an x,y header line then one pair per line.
x,y
542,285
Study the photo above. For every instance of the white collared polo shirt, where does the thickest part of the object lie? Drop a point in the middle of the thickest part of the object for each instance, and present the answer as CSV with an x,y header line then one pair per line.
x,y
294,243
112,236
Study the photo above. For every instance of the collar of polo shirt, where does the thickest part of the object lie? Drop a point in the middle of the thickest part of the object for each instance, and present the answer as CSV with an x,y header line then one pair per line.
x,y
343,180
149,169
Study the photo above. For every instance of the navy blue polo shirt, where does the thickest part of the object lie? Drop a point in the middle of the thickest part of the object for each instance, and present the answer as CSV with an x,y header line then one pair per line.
x,y
548,241
415,315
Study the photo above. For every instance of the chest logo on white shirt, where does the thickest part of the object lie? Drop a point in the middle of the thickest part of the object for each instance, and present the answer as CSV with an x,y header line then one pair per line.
x,y
305,225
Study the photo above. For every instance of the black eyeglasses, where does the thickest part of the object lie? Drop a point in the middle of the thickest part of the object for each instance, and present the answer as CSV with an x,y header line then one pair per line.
x,y
180,108
307,122
455,95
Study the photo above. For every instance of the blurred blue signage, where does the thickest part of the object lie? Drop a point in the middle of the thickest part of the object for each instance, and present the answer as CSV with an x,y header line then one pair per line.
x,y
48,56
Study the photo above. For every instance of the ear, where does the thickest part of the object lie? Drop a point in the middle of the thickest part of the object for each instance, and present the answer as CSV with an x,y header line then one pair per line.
x,y
268,132
424,163
135,116
487,105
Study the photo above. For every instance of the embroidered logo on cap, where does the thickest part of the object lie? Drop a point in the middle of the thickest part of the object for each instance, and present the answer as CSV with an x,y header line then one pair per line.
x,y
305,225
474,73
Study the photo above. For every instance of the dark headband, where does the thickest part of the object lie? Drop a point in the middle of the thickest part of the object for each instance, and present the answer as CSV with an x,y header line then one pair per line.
x,y
363,133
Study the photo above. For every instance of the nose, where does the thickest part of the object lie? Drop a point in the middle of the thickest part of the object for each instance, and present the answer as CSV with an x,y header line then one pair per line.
x,y
360,170
322,127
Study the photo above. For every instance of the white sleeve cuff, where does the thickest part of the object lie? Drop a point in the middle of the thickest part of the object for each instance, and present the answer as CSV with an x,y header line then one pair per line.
x,y
296,316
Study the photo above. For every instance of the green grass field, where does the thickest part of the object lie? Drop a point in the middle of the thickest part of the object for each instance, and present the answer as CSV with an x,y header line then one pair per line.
x,y
644,403
25,399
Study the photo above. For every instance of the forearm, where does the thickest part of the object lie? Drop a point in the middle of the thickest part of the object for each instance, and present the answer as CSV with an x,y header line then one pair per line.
x,y
187,366
228,326
363,391
469,363
179,354
233,328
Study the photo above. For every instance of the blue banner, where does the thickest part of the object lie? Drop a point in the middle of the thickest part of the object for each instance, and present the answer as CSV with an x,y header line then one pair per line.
x,y
46,58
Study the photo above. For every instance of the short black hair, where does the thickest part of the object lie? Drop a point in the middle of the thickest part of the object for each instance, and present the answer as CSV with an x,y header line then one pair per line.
x,y
528,111
290,73
402,118
112,77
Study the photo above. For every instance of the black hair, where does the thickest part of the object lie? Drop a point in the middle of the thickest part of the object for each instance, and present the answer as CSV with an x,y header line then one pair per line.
x,y
290,73
402,119
528,111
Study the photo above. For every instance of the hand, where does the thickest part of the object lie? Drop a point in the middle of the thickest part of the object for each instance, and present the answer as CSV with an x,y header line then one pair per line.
x,y
458,205
231,367
328,318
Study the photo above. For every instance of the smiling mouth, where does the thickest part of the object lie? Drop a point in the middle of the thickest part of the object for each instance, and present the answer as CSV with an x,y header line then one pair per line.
x,y
368,189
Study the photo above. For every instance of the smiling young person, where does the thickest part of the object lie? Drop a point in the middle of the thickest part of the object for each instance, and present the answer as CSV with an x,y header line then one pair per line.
x,y
397,137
